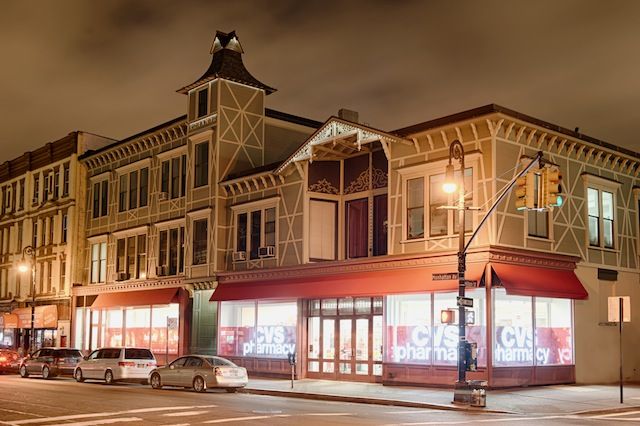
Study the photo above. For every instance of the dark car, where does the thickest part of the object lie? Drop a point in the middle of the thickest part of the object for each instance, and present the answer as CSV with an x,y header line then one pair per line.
x,y
9,361
50,362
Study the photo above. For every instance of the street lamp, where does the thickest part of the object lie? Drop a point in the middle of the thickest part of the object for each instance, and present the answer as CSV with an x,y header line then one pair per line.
x,y
24,266
456,152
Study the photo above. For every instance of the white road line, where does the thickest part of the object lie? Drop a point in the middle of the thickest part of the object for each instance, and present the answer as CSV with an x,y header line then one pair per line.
x,y
606,416
245,419
326,414
465,422
112,413
186,413
101,422
20,412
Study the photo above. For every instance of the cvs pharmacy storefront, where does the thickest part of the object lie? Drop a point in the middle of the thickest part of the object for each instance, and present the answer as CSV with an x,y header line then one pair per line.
x,y
385,325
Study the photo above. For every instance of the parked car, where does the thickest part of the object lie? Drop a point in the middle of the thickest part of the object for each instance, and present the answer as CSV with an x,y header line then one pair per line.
x,y
50,362
200,372
9,361
116,364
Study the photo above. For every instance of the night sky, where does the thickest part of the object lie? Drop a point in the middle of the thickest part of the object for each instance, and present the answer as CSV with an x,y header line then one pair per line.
x,y
112,67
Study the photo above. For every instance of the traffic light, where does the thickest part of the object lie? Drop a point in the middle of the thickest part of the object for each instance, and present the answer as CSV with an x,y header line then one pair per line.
x,y
552,187
447,316
526,192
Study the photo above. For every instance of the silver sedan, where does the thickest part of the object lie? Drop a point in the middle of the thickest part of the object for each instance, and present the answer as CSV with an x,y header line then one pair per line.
x,y
200,372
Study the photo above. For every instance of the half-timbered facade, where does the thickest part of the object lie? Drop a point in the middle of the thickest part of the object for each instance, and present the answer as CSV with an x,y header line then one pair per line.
x,y
252,233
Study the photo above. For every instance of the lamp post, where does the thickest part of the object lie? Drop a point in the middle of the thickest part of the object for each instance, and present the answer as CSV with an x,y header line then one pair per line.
x,y
24,266
451,184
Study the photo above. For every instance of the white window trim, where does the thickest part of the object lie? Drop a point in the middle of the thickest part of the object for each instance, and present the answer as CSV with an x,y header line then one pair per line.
x,y
425,170
175,152
99,177
248,208
136,165
171,223
131,231
601,184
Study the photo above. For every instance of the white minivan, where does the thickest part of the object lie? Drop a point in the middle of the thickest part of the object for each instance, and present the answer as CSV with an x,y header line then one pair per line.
x,y
116,364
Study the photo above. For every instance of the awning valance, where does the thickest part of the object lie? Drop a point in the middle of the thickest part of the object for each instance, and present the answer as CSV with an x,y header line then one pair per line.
x,y
410,280
162,296
538,281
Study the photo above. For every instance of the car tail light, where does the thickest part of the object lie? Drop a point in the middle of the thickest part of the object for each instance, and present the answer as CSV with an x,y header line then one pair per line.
x,y
127,364
152,364
217,371
3,358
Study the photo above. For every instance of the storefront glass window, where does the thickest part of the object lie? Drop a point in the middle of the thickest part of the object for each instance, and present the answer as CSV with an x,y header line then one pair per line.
x,y
276,331
445,336
513,330
163,337
137,328
78,328
112,327
408,330
237,328
553,339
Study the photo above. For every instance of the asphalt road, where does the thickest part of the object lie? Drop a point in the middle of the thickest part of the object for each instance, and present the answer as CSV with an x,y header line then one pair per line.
x,y
62,401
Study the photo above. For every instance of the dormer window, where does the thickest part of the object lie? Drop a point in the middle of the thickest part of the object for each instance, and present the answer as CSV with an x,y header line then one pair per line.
x,y
203,102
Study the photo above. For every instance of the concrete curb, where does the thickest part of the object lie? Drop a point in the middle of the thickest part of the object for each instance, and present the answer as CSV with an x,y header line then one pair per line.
x,y
605,410
365,400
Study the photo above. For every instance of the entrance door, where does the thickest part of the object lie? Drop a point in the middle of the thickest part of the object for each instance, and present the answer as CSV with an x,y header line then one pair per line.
x,y
345,345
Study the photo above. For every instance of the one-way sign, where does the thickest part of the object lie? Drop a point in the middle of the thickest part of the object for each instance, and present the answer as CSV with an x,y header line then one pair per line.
x,y
467,302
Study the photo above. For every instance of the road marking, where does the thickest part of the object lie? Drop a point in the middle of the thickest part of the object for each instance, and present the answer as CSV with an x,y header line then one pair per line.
x,y
244,419
326,414
112,413
101,422
186,413
464,422
20,412
606,416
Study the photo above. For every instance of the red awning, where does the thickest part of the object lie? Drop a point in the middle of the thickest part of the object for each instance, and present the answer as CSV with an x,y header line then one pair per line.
x,y
162,296
376,283
538,281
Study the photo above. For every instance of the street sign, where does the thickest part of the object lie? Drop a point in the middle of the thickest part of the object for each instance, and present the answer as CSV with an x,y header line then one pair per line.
x,y
467,302
470,317
445,276
614,308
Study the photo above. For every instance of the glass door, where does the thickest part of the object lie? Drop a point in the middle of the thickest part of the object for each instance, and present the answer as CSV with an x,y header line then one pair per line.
x,y
346,354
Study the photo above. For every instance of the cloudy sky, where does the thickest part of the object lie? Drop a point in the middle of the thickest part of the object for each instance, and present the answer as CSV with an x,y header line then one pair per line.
x,y
112,67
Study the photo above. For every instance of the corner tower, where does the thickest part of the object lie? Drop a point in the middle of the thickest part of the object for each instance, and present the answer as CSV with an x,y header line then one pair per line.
x,y
226,107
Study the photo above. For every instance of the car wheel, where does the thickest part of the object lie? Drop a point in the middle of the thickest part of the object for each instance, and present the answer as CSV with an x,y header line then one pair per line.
x,y
23,371
46,373
231,390
108,377
78,376
198,384
156,383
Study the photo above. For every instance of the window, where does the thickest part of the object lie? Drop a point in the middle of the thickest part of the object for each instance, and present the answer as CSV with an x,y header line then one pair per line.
x,y
171,251
538,223
34,233
137,323
600,204
203,100
513,329
46,187
174,176
263,329
65,181
21,197
445,221
56,183
554,340
65,225
201,164
131,260
100,198
415,208
134,190
408,328
322,230
36,189
256,229
98,262
160,316
200,242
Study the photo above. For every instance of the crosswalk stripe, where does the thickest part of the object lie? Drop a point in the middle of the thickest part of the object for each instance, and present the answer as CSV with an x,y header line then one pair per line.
x,y
101,422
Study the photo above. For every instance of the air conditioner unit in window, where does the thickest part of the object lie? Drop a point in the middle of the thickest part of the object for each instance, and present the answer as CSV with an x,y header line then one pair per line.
x,y
268,251
161,271
239,256
122,276
163,196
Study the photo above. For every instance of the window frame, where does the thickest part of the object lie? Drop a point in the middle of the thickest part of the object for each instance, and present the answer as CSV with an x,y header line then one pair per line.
x,y
101,262
135,261
138,193
249,209
433,168
198,95
165,252
601,185
200,169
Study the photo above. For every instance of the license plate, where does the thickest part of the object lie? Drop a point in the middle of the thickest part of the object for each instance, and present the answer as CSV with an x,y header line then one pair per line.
x,y
234,373
141,365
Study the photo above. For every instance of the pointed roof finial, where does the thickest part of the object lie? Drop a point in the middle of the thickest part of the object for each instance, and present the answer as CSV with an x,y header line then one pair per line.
x,y
227,63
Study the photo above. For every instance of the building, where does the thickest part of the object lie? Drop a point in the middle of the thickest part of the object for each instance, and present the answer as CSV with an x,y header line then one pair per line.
x,y
265,234
43,193
156,216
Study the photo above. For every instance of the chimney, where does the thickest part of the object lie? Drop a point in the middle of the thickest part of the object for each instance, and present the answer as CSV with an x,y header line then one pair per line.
x,y
349,115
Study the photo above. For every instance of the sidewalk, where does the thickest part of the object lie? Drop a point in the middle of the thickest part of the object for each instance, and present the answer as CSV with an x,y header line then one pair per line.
x,y
546,400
